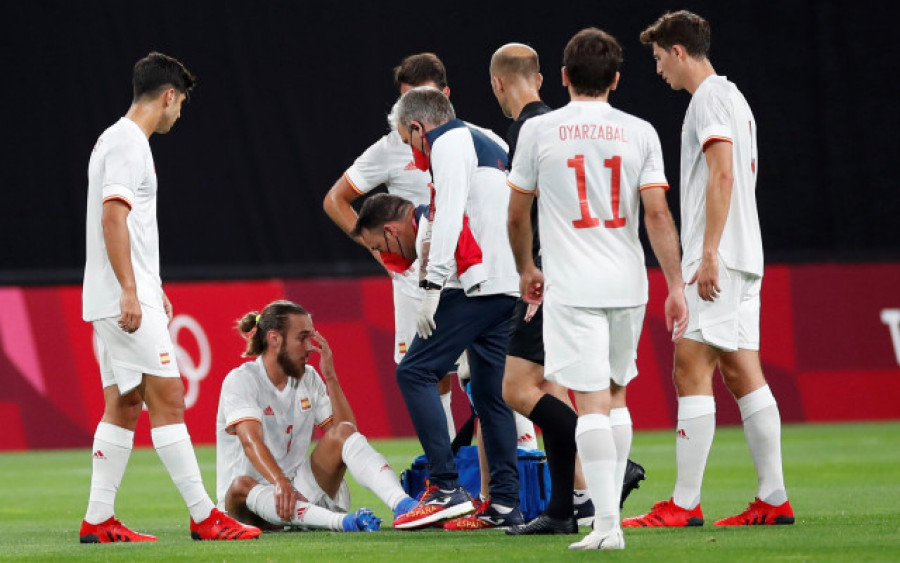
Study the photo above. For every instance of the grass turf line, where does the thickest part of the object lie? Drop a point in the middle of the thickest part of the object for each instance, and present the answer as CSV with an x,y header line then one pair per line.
x,y
843,481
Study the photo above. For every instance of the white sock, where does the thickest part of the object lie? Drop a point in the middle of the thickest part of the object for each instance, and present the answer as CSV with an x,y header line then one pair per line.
x,y
448,413
111,450
622,433
597,451
693,440
762,428
261,500
371,470
526,437
173,445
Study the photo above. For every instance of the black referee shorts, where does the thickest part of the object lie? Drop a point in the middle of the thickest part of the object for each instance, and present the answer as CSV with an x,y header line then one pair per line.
x,y
526,340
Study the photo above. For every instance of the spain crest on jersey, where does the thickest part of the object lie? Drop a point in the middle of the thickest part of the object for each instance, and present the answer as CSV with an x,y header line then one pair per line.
x,y
304,404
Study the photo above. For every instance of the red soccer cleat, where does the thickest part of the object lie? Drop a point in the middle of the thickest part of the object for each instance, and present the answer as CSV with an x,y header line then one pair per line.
x,y
110,531
220,526
761,513
666,514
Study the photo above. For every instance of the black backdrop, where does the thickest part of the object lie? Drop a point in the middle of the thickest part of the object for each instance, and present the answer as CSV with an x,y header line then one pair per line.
x,y
291,92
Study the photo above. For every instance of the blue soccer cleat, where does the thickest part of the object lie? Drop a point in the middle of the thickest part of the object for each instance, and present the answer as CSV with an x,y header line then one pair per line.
x,y
363,520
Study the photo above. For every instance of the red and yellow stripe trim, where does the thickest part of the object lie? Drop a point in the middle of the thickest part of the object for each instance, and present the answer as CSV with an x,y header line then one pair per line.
x,y
352,185
658,185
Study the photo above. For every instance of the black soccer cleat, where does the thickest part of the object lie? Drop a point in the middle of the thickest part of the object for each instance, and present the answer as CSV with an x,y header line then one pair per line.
x,y
544,525
634,474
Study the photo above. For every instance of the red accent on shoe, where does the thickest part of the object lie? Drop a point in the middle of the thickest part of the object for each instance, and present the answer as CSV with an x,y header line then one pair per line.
x,y
220,526
472,521
666,514
110,531
761,513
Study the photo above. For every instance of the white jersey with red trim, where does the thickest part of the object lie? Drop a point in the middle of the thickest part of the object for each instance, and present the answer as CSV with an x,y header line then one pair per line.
x,y
121,167
588,162
287,416
719,112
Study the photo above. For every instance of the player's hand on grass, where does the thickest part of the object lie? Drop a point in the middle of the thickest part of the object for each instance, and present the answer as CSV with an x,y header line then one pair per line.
x,y
707,279
130,319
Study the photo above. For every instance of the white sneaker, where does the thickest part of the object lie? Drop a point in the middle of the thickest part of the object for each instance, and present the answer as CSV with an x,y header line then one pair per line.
x,y
601,540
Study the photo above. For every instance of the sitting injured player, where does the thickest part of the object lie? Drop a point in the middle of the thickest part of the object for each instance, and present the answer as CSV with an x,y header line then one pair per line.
x,y
268,408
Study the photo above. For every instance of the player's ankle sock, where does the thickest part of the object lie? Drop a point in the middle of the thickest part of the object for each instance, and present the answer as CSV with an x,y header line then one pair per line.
x,y
173,445
448,413
261,501
693,440
111,450
557,421
371,470
526,437
502,508
597,451
762,428
622,432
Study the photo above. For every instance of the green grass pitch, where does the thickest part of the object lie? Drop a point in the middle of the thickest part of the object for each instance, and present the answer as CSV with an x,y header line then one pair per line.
x,y
843,481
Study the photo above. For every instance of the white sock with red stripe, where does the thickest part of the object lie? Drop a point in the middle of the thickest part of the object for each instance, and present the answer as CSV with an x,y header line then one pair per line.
x,y
261,500
111,450
597,451
762,428
371,470
693,440
526,437
173,445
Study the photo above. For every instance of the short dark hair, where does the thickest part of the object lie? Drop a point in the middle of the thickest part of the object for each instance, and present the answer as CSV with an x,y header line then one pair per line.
x,y
416,70
379,210
254,325
157,72
680,28
592,58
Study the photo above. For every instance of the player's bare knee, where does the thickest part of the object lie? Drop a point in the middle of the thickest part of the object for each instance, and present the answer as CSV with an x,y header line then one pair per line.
x,y
338,433
240,488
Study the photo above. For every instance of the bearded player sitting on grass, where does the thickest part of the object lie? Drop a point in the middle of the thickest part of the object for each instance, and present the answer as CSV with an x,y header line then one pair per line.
x,y
264,425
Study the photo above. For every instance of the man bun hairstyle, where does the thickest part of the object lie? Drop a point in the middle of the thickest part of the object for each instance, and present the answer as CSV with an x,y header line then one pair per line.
x,y
680,28
157,72
254,326
592,58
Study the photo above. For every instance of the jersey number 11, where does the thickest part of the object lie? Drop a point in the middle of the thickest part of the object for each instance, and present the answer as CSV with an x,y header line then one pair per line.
x,y
587,221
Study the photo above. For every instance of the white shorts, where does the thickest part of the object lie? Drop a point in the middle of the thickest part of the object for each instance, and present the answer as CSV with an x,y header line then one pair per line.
x,y
405,308
587,347
124,357
732,320
305,482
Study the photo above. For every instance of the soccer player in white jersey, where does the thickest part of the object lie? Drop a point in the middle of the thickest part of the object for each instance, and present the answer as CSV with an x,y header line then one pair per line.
x,y
268,409
723,261
593,166
124,300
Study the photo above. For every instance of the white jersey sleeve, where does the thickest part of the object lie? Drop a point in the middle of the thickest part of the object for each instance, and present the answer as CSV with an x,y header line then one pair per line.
x,y
238,401
371,168
524,175
321,402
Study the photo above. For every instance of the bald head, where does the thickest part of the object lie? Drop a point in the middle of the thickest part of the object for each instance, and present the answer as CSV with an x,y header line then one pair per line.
x,y
515,60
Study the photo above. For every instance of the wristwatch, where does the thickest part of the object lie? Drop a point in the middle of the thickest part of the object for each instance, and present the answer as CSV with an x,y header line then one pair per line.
x,y
428,284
